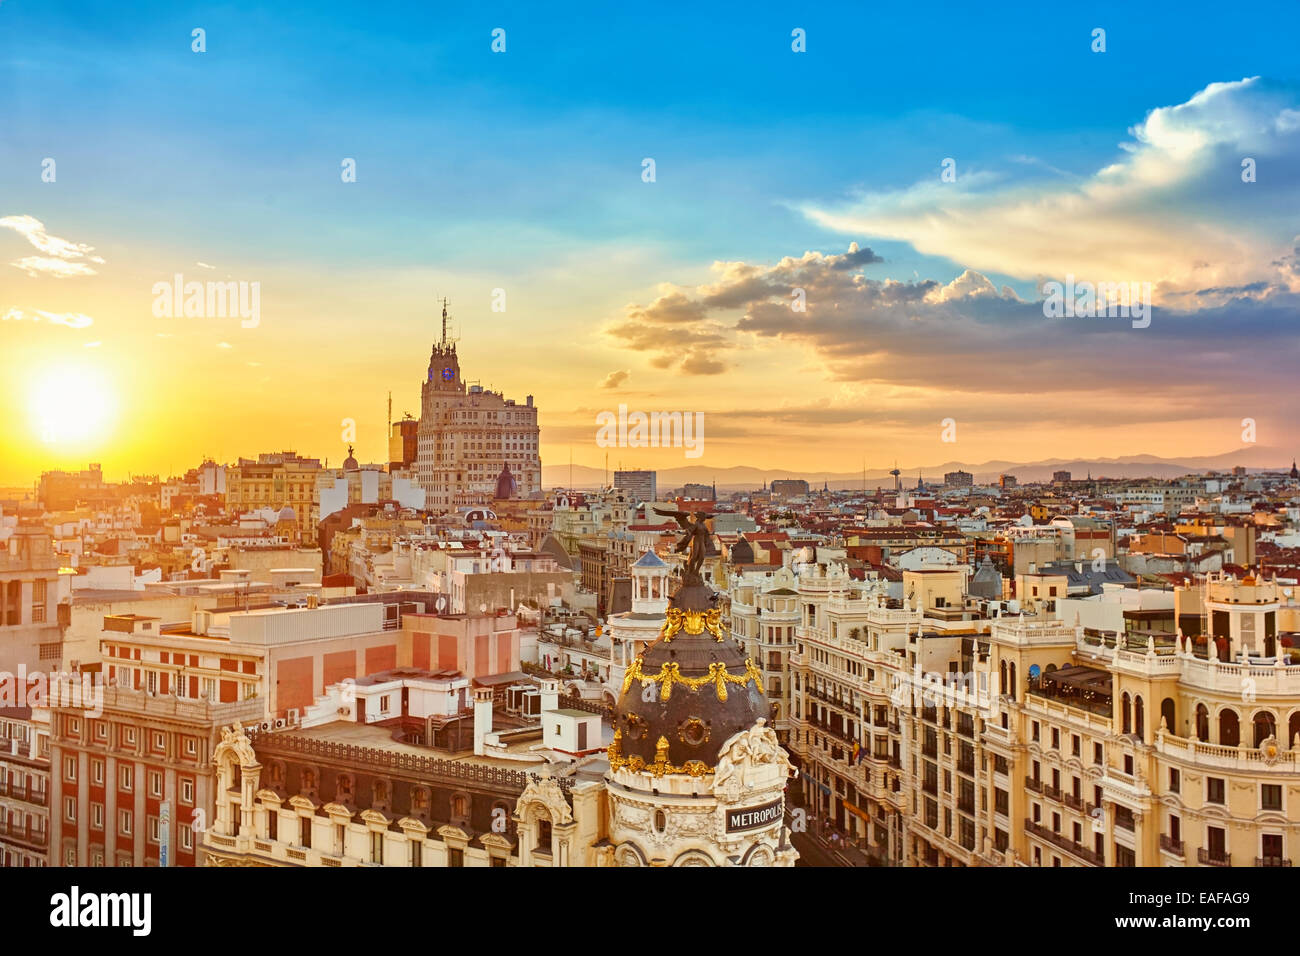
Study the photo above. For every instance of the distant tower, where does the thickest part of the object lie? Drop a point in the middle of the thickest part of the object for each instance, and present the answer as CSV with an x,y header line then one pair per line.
x,y
1295,473
898,478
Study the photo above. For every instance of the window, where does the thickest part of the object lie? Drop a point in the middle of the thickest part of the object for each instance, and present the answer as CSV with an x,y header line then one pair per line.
x,y
159,742
190,747
376,847
97,816
1056,739
153,829
1075,745
304,833
1097,754
125,776
70,856
124,822
1270,796
383,704
70,810
1175,781
97,772
187,790
70,769
155,783
417,853
186,836
455,857
1214,790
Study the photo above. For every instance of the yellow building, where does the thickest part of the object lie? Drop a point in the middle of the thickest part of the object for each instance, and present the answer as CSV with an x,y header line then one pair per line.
x,y
278,480
1020,741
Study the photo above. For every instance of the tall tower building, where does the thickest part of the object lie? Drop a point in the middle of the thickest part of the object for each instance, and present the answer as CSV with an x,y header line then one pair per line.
x,y
468,435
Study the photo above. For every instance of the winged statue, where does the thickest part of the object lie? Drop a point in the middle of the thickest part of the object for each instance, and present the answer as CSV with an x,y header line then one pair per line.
x,y
696,539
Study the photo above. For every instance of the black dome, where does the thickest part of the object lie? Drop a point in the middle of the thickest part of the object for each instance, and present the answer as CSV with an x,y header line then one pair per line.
x,y
695,721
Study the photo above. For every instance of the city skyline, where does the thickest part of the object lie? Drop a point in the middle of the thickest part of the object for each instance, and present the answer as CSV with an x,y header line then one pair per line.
x,y
923,296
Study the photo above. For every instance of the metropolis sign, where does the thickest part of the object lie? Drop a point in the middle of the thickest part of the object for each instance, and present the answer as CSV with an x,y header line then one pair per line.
x,y
751,818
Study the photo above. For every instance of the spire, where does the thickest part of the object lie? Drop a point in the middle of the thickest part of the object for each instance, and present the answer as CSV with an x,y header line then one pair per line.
x,y
444,322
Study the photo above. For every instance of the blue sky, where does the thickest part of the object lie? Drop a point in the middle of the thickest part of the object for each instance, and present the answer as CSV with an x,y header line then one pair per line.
x,y
478,169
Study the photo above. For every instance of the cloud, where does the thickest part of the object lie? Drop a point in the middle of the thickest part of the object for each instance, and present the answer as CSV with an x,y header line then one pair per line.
x,y
36,266
204,265
62,258
902,343
1172,209
678,331
615,379
224,345
73,320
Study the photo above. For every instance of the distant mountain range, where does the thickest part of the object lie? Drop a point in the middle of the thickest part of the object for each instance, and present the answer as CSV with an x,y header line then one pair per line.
x,y
743,477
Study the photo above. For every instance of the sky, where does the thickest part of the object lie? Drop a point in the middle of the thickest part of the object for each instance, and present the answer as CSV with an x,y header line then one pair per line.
x,y
912,181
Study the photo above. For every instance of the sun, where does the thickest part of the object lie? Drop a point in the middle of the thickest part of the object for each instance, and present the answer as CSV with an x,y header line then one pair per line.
x,y
71,403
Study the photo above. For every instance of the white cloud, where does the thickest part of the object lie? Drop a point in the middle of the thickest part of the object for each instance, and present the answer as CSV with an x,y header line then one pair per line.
x,y
73,320
1172,210
62,258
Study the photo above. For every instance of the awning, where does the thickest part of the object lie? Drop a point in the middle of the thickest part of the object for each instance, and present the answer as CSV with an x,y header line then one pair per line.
x,y
855,811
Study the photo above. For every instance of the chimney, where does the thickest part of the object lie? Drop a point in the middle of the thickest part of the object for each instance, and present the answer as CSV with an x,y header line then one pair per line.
x,y
550,695
482,718
313,602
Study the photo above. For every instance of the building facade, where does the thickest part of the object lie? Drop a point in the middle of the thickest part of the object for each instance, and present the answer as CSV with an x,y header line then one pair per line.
x,y
468,433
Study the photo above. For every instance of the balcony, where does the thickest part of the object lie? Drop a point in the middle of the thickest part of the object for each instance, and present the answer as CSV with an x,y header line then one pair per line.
x,y
29,836
966,766
1074,801
1061,841
1272,861
1052,793
1213,857
1034,784
1170,845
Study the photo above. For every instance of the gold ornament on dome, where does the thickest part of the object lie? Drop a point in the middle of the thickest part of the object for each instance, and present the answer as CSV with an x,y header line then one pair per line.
x,y
661,764
692,622
670,674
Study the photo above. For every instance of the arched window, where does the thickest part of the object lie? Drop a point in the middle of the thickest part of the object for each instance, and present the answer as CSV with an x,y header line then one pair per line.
x,y
1126,714
1169,714
1265,726
661,821
1002,677
459,806
544,835
1139,716
1014,688
1229,728
1293,727
1202,723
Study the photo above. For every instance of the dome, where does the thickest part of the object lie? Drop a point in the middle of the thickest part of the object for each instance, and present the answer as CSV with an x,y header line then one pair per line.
x,y
506,487
350,463
742,552
649,560
712,692
287,514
